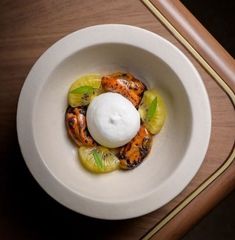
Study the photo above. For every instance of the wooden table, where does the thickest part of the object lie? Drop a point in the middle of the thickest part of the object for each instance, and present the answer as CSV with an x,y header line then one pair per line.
x,y
28,28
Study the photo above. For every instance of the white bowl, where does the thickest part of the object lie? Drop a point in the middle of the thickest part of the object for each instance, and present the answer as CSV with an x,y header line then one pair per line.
x,y
177,151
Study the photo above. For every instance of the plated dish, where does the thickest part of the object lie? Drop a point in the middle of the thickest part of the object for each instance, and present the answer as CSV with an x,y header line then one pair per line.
x,y
112,120
177,151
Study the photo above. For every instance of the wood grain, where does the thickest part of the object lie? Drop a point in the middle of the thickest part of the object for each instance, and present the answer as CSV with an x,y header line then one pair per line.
x,y
184,221
199,37
28,28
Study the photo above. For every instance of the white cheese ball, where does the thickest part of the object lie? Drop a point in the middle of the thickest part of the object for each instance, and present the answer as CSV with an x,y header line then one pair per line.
x,y
112,120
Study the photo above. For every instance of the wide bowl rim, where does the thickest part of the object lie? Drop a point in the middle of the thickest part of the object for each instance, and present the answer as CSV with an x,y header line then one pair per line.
x,y
106,34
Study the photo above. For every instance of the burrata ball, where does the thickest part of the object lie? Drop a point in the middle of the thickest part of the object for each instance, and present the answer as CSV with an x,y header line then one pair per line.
x,y
112,120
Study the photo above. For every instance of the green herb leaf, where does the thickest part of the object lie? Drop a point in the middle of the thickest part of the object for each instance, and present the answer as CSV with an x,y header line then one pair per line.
x,y
98,159
152,109
82,89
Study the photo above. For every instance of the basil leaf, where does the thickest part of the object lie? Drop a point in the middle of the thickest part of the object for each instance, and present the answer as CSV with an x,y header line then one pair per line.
x,y
98,159
152,109
82,89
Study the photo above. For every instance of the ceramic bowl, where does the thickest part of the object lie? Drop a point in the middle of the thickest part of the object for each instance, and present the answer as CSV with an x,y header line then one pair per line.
x,y
177,152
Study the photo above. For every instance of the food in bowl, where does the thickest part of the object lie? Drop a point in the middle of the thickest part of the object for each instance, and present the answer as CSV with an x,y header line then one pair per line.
x,y
112,120
176,154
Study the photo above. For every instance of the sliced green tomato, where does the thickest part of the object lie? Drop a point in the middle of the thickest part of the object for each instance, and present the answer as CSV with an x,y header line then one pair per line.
x,y
84,89
152,111
98,159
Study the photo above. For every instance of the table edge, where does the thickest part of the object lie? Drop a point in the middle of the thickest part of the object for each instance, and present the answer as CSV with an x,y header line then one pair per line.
x,y
221,66
198,37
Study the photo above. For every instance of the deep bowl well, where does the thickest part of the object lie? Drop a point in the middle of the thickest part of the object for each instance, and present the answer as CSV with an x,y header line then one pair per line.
x,y
177,151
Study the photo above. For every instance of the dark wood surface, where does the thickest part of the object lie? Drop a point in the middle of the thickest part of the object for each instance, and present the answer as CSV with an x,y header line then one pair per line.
x,y
199,38
28,28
